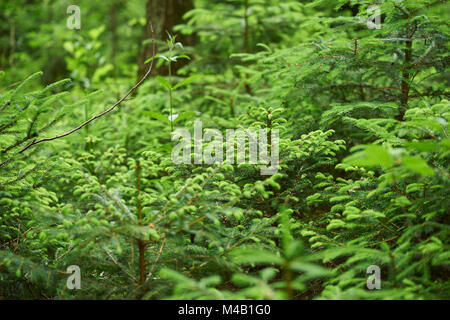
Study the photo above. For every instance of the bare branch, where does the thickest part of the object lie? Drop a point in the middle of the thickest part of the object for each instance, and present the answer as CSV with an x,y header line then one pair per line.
x,y
124,98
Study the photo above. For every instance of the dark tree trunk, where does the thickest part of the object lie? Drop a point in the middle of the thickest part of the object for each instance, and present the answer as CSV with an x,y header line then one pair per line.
x,y
114,9
164,15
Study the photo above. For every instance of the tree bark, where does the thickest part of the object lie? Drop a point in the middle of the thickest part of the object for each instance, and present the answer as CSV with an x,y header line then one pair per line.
x,y
114,9
164,15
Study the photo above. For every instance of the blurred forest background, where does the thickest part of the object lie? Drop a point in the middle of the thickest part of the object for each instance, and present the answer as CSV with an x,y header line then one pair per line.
x,y
357,89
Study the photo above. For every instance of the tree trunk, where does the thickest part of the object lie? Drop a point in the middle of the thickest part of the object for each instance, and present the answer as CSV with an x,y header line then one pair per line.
x,y
164,15
114,9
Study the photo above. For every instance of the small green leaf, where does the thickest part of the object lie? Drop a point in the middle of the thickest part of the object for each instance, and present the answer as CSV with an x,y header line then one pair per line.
x,y
372,155
186,81
417,164
164,82
425,145
183,116
157,116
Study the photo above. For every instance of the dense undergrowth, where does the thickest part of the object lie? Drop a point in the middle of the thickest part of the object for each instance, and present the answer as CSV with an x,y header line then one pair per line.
x,y
364,161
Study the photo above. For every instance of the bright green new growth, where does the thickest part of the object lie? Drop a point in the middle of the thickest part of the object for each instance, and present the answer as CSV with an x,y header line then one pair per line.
x,y
364,161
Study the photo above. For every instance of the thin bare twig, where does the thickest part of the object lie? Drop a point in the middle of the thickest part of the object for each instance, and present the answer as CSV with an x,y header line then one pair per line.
x,y
35,142
114,260
157,259
11,85
6,105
